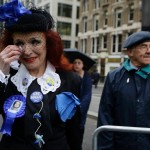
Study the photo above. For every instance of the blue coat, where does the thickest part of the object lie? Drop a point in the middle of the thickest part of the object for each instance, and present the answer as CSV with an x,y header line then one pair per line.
x,y
86,94
125,101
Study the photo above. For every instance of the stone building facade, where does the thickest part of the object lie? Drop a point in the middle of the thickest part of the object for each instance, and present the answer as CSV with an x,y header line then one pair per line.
x,y
104,25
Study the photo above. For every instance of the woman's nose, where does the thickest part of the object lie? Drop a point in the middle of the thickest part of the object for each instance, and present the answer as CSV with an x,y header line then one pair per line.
x,y
27,49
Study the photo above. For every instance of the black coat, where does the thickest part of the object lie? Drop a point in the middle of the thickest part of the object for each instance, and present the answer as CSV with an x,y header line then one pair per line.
x,y
52,129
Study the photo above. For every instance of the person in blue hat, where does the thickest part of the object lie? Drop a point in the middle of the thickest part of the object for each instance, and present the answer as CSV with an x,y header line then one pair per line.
x,y
39,92
125,99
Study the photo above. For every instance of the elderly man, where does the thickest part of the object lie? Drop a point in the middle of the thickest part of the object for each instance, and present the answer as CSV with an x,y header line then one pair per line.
x,y
125,99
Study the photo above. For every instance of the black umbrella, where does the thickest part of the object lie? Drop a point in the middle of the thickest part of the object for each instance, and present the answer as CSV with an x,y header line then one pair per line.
x,y
73,54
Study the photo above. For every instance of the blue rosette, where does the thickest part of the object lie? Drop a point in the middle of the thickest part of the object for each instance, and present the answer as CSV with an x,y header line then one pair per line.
x,y
14,107
66,105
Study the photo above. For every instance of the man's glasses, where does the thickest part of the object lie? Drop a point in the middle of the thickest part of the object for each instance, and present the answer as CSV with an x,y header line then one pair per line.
x,y
143,47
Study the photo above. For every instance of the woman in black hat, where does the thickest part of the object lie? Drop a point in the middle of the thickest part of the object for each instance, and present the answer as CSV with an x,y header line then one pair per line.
x,y
85,91
34,72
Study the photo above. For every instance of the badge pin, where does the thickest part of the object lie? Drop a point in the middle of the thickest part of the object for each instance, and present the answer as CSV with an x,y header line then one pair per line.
x,y
36,97
37,116
16,106
24,81
50,81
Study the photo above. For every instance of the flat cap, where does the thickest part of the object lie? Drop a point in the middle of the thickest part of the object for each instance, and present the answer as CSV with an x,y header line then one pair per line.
x,y
137,38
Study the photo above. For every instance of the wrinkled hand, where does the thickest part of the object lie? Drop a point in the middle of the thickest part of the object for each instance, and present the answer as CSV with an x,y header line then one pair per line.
x,y
8,55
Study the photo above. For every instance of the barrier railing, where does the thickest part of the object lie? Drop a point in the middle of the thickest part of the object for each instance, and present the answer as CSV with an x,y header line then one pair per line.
x,y
117,129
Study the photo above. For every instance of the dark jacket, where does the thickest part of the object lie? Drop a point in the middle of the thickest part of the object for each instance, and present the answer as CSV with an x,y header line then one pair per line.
x,y
86,94
52,129
95,77
125,101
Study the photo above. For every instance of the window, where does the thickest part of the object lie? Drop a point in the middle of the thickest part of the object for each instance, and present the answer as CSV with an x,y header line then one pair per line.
x,y
64,10
84,24
104,42
96,4
118,0
131,13
64,28
114,44
85,5
95,44
105,18
78,12
117,43
96,22
77,29
76,44
118,15
67,44
46,7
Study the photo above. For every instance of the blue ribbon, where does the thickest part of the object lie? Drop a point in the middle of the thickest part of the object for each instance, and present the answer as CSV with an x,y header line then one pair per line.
x,y
12,112
8,122
66,105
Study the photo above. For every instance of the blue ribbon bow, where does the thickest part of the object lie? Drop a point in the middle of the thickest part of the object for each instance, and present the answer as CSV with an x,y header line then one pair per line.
x,y
10,12
66,103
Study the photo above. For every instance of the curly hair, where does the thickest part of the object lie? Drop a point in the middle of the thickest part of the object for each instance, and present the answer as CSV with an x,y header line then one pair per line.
x,y
55,52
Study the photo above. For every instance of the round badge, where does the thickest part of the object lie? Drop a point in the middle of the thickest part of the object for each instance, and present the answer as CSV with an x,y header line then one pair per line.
x,y
50,81
36,97
24,81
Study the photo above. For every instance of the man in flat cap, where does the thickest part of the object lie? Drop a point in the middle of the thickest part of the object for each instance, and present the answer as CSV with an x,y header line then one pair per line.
x,y
125,100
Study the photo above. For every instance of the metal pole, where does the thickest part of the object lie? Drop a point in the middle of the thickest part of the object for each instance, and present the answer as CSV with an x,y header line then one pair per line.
x,y
117,129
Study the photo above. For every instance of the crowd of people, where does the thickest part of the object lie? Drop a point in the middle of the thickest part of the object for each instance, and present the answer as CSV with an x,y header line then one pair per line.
x,y
45,94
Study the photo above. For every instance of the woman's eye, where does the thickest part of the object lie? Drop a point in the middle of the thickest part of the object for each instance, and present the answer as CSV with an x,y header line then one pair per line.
x,y
18,43
35,42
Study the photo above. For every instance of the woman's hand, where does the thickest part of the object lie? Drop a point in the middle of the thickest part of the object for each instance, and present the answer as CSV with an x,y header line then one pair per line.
x,y
8,55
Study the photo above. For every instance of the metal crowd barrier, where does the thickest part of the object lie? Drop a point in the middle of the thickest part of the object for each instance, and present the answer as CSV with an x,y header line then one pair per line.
x,y
117,129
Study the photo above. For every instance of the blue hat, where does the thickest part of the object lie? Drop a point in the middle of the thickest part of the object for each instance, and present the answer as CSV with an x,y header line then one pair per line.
x,y
137,38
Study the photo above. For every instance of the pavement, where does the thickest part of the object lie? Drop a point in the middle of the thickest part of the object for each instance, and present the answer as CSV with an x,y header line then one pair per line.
x,y
91,121
94,105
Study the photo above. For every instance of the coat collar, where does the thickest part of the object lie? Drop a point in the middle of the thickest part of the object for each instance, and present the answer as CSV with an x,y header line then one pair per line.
x,y
143,72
